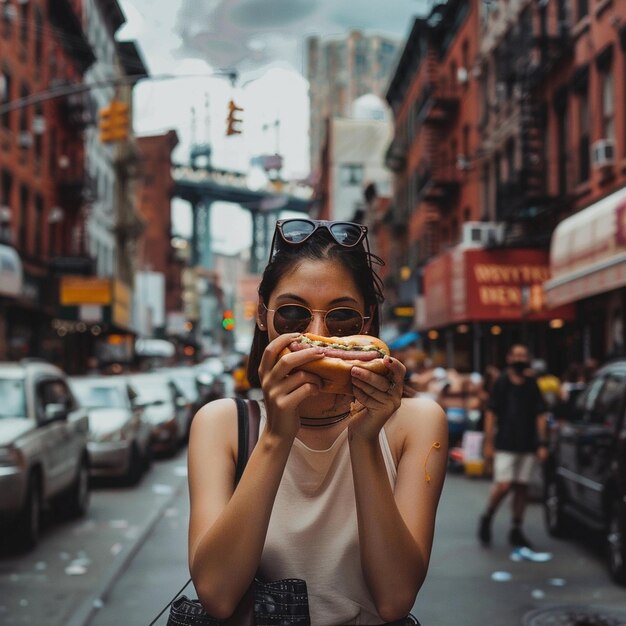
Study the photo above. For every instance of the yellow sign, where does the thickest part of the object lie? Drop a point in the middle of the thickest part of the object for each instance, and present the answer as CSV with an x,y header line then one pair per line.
x,y
79,290
404,311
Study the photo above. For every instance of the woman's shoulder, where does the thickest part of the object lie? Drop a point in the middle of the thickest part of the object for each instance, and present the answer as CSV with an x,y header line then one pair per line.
x,y
417,415
215,417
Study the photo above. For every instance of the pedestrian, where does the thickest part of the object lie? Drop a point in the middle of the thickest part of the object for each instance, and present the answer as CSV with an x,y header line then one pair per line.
x,y
515,436
340,491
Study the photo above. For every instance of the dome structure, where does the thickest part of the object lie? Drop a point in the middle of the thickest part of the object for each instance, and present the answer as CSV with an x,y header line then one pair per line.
x,y
370,107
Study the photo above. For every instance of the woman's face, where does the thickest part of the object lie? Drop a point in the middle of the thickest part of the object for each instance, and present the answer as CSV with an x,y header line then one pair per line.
x,y
320,285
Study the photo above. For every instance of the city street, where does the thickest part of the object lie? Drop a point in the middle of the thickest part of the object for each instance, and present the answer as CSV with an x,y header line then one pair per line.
x,y
129,576
57,583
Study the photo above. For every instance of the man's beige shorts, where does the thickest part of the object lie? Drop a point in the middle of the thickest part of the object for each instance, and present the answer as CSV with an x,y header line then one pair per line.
x,y
513,467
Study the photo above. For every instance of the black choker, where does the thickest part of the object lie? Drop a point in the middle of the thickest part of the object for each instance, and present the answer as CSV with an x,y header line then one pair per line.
x,y
320,422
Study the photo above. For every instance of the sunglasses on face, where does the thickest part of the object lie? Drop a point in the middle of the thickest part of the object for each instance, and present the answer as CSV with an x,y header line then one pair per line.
x,y
296,318
296,231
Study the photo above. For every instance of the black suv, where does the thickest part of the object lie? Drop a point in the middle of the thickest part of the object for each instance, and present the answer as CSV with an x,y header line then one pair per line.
x,y
586,471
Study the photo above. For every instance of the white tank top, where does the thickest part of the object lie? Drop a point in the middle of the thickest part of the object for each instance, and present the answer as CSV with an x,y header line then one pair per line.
x,y
313,532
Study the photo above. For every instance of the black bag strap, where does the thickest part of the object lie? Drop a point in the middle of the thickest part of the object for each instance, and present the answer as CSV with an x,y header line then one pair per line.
x,y
248,424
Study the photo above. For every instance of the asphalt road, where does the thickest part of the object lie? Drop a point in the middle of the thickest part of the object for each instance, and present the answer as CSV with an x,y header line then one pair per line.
x,y
123,563
75,563
460,588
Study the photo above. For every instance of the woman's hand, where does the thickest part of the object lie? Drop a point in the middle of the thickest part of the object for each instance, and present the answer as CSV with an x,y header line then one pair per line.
x,y
377,397
284,386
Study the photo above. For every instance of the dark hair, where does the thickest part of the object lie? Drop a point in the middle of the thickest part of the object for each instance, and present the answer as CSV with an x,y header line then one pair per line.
x,y
320,246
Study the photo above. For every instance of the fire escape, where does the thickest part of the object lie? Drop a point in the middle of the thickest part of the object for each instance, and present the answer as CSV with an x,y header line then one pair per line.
x,y
72,188
525,62
437,177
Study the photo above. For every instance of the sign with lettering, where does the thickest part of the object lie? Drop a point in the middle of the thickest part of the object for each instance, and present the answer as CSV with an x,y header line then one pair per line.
x,y
475,284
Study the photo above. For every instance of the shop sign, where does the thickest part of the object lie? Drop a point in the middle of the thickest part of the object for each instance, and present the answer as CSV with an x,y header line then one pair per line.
x,y
77,291
488,285
11,275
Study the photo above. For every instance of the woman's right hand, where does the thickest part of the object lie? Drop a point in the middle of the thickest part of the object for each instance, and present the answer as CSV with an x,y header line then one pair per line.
x,y
285,386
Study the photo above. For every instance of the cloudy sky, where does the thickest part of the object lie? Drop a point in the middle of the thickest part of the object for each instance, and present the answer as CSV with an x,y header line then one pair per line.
x,y
264,41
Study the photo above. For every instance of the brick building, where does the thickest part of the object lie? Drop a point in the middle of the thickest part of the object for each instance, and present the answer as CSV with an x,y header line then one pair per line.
x,y
155,189
43,49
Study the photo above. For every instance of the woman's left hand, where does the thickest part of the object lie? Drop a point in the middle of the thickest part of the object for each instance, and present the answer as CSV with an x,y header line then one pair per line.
x,y
377,397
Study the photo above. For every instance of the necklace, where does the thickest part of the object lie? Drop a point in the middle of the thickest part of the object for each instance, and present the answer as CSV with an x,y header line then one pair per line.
x,y
321,422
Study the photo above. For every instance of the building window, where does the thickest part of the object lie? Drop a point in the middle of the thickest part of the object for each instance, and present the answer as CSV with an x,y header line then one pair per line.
x,y
608,104
38,222
6,215
351,174
583,143
486,214
23,238
24,110
38,41
9,14
562,151
6,89
510,158
24,6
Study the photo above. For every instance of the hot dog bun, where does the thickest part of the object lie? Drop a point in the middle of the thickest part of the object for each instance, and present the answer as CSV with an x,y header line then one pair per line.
x,y
344,353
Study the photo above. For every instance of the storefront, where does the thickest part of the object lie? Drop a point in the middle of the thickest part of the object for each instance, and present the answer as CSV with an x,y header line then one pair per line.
x,y
588,269
479,301
94,319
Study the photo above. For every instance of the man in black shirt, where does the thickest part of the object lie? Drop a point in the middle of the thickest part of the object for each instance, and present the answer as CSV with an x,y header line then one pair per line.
x,y
515,428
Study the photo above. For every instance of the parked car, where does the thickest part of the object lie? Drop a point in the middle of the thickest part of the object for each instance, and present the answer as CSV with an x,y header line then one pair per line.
x,y
186,379
213,378
43,448
585,476
165,409
119,437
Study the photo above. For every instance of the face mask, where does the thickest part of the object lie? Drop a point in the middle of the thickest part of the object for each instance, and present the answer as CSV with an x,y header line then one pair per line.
x,y
520,366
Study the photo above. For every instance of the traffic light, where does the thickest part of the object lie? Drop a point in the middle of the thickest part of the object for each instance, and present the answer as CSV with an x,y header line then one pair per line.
x,y
114,122
228,321
232,122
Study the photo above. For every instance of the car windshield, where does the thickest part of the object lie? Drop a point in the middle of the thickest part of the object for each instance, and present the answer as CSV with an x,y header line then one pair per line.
x,y
153,390
187,383
13,397
97,396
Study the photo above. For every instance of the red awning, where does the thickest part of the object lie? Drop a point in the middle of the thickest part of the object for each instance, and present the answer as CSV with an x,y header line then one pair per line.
x,y
588,252
479,285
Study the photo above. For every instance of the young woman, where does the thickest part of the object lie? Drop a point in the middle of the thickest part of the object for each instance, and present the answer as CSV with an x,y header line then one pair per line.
x,y
340,490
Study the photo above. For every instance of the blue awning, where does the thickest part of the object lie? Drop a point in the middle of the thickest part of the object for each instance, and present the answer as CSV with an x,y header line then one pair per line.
x,y
404,340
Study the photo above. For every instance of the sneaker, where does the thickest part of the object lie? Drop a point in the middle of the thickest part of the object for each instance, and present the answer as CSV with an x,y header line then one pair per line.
x,y
484,530
518,540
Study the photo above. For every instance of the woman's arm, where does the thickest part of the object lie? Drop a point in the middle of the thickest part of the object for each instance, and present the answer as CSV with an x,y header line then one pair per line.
x,y
227,526
396,529
227,530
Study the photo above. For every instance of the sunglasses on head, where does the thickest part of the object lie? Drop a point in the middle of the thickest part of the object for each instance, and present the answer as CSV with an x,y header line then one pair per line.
x,y
297,230
296,318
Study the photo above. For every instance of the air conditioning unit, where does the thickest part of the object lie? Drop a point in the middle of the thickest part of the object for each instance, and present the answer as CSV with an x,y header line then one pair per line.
x,y
39,124
25,139
9,12
481,234
603,153
462,75
462,162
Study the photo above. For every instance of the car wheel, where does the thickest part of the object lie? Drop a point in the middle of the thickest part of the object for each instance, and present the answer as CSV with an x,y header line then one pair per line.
x,y
135,467
77,499
555,516
616,542
28,524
